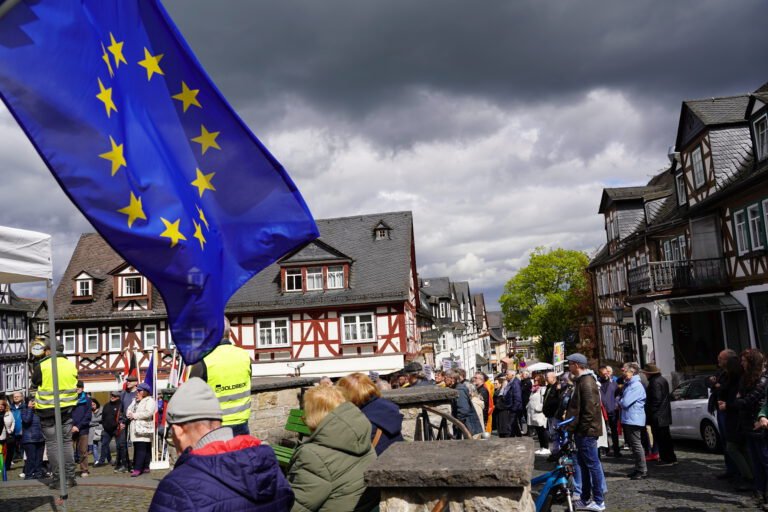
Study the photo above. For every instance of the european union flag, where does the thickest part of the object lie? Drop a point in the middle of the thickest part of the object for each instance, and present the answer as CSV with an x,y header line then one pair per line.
x,y
147,148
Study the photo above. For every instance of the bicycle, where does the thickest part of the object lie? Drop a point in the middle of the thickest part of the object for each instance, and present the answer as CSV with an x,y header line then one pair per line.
x,y
557,483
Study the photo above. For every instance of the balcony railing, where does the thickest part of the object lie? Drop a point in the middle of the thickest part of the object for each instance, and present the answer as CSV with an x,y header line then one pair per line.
x,y
659,276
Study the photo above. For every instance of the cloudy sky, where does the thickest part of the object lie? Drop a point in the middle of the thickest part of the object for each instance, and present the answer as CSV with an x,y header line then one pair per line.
x,y
496,122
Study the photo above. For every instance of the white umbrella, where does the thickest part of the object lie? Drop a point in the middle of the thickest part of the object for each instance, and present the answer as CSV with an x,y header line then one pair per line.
x,y
539,367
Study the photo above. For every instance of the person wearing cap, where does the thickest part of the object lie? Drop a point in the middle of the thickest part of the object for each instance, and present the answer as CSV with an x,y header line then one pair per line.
x,y
81,425
216,471
110,419
658,413
227,369
587,426
127,397
142,427
415,375
632,404
42,379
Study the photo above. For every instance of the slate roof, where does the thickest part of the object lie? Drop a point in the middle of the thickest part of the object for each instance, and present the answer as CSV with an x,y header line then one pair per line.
x,y
436,287
731,153
21,304
379,272
722,110
611,195
461,290
479,301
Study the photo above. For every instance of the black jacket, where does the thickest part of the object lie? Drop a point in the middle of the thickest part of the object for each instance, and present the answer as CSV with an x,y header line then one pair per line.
x,y
109,416
483,391
525,389
658,411
551,401
749,402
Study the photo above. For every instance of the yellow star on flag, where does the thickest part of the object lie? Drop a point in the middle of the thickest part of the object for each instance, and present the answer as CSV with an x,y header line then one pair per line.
x,y
187,96
105,95
203,182
151,63
199,234
134,210
202,217
115,156
207,139
172,231
116,49
105,58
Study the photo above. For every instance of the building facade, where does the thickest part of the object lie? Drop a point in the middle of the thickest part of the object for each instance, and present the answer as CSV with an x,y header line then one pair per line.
x,y
16,330
345,302
684,271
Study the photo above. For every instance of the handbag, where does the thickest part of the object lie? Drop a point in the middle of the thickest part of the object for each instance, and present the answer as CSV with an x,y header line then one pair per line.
x,y
144,427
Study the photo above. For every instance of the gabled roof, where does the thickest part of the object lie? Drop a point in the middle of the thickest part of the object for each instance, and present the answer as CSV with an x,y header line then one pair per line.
x,y
21,304
612,195
379,271
314,251
461,290
436,287
695,115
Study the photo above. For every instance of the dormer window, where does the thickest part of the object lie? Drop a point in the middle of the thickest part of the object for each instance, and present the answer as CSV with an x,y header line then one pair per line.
x,y
132,286
336,277
761,137
698,168
382,231
83,286
315,278
293,280
381,234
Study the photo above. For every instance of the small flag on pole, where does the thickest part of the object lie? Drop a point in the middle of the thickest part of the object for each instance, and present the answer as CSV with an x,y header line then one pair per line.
x,y
149,150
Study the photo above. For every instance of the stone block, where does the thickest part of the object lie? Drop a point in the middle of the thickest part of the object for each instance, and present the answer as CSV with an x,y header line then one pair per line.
x,y
266,400
479,500
288,398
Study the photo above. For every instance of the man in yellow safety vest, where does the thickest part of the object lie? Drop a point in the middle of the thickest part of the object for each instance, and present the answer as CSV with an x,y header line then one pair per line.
x,y
227,369
42,379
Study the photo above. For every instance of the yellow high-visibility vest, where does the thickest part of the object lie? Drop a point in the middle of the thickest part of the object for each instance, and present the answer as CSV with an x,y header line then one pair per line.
x,y
67,373
229,374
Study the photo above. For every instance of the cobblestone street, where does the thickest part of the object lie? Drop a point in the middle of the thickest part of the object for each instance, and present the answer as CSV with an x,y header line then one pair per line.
x,y
690,486
103,491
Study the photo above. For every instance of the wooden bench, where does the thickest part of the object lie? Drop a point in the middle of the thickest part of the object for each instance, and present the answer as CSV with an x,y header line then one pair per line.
x,y
295,423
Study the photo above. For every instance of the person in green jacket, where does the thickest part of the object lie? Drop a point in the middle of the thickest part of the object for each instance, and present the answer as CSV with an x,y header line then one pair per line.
x,y
326,471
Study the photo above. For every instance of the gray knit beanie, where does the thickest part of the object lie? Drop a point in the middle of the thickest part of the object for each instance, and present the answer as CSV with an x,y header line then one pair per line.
x,y
193,401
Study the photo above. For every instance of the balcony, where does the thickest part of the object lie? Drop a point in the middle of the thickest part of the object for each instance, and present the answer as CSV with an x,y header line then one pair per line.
x,y
658,276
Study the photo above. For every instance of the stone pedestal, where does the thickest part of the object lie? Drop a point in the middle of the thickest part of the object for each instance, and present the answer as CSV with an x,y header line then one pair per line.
x,y
470,475
271,402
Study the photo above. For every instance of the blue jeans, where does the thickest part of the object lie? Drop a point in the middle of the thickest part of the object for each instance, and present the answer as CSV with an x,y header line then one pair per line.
x,y
588,478
106,453
33,466
241,429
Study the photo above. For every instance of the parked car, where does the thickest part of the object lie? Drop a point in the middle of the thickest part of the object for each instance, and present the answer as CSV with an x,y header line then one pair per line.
x,y
690,418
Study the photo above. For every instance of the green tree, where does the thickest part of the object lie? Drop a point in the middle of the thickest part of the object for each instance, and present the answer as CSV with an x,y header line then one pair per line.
x,y
545,298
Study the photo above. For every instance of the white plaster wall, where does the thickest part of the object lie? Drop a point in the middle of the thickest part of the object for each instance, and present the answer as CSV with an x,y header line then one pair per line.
x,y
335,367
662,338
742,297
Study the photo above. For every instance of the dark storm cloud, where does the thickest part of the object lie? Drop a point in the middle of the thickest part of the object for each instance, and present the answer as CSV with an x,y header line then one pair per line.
x,y
355,57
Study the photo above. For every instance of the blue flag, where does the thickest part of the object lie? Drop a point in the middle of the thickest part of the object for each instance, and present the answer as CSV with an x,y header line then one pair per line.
x,y
147,148
149,378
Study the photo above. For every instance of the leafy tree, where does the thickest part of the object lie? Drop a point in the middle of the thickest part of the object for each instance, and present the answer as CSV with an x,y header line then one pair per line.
x,y
546,298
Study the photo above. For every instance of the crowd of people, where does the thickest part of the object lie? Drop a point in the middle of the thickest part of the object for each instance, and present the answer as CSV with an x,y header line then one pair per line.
x,y
351,424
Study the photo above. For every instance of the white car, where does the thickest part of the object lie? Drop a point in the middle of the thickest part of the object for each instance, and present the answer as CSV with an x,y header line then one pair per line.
x,y
690,418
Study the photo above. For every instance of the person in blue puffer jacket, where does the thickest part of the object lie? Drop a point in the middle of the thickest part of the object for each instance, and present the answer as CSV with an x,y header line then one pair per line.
x,y
385,417
33,441
633,417
216,471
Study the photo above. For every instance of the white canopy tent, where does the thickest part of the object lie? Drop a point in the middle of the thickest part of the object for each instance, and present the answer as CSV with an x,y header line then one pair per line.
x,y
25,257
539,367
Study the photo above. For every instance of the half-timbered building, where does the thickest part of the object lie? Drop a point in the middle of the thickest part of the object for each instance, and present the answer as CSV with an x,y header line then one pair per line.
x,y
684,272
345,302
15,333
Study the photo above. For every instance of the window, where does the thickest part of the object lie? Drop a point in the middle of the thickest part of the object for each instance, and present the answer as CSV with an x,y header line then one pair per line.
x,y
84,288
761,137
740,228
132,286
643,259
14,376
70,345
293,280
115,339
336,277
150,336
680,184
273,333
381,233
315,278
41,328
755,229
622,285
443,309
92,340
358,328
698,168
683,247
